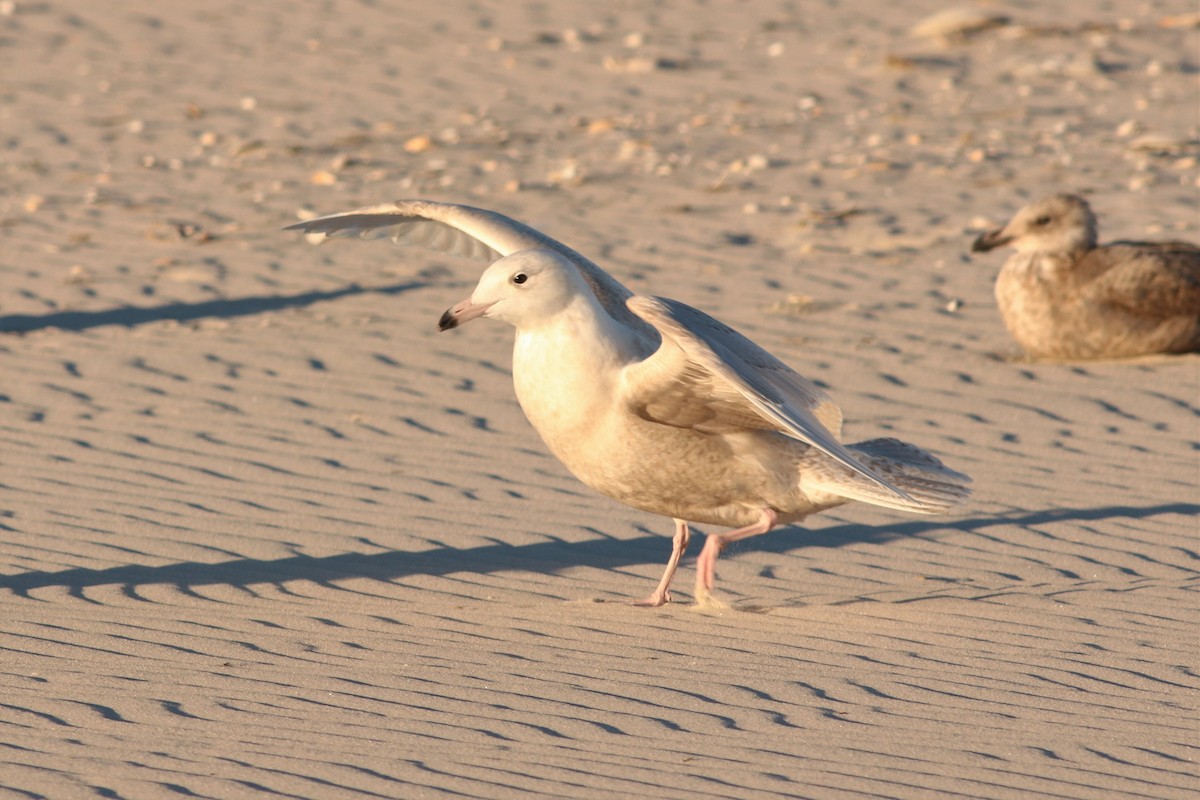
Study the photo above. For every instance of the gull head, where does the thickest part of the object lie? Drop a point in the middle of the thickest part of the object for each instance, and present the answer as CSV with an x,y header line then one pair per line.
x,y
522,289
1059,224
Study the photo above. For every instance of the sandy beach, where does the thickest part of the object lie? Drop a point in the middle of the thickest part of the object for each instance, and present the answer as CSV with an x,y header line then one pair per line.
x,y
264,532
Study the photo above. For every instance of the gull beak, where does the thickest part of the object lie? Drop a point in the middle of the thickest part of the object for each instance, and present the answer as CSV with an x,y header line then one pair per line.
x,y
990,241
461,313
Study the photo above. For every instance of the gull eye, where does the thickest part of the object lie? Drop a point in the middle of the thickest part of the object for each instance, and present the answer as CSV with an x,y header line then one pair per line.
x,y
1042,220
520,278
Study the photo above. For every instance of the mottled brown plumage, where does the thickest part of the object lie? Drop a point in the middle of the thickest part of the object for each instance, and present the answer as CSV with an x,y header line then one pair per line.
x,y
1064,297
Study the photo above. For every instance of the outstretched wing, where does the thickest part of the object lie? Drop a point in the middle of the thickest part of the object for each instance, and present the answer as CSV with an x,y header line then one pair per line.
x,y
465,231
707,376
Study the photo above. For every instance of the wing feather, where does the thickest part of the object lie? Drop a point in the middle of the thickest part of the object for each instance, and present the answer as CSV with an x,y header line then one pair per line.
x,y
464,231
1155,280
708,376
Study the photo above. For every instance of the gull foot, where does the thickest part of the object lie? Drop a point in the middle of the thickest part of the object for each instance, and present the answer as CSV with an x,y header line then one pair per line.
x,y
653,601
707,601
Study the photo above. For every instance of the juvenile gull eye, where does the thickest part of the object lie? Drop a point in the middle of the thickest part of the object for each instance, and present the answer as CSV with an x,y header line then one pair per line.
x,y
519,278
1042,220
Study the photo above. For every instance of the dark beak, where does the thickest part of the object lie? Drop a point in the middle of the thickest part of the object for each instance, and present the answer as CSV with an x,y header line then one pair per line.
x,y
990,241
462,313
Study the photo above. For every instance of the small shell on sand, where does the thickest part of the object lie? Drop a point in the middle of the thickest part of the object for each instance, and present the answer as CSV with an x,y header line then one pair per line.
x,y
957,23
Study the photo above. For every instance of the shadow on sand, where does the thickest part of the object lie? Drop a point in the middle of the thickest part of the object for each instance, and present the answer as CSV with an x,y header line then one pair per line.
x,y
543,556
185,312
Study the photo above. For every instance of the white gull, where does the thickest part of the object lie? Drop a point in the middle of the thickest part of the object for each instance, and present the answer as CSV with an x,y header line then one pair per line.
x,y
654,403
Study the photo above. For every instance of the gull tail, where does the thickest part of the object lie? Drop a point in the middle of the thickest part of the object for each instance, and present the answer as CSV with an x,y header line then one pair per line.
x,y
932,486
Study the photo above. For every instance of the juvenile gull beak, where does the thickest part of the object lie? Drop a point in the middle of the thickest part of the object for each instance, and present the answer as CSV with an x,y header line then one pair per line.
x,y
990,241
461,313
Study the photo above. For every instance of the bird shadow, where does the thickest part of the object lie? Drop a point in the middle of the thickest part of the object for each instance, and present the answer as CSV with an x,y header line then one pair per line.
x,y
130,316
549,556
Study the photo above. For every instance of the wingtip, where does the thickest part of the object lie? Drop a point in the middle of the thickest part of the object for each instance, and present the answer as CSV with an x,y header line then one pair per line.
x,y
307,220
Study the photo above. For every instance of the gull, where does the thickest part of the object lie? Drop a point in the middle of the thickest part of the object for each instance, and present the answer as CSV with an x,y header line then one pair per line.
x,y
654,403
1064,297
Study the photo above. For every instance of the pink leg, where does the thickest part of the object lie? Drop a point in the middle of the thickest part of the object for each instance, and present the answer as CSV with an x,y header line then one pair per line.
x,y
662,594
706,564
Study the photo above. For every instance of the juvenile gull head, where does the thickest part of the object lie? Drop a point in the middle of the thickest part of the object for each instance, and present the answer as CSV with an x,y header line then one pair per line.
x,y
1064,297
1062,224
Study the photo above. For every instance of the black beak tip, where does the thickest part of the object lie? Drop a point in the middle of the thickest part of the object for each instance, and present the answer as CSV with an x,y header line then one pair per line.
x,y
447,321
982,244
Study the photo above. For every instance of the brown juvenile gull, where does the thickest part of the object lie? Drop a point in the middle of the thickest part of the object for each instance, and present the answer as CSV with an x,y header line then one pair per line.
x,y
658,405
1064,297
